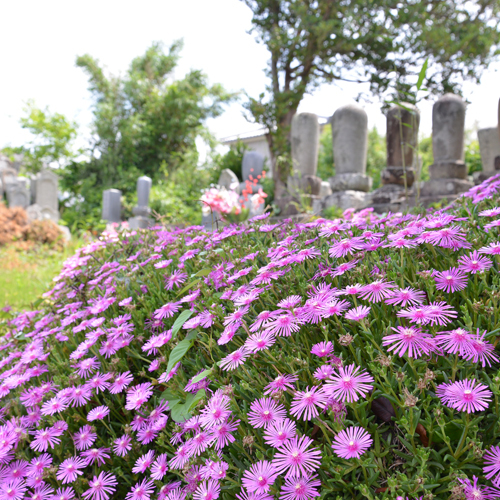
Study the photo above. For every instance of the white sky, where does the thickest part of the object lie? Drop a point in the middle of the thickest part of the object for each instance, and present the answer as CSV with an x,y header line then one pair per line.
x,y
40,40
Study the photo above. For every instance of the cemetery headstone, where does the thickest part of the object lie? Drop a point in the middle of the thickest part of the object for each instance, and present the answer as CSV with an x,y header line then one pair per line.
x,y
229,180
18,196
251,167
489,146
448,173
111,205
402,139
305,143
46,193
142,210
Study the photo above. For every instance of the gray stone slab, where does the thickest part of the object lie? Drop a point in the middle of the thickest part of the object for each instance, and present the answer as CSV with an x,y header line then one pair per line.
x,y
345,200
47,190
396,175
144,184
350,182
402,135
229,180
448,121
489,145
350,139
18,196
111,205
252,165
448,170
305,143
445,187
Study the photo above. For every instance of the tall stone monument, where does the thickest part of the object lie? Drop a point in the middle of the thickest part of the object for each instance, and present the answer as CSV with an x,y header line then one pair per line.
x,y
489,146
142,210
305,143
111,205
46,194
350,183
448,173
402,139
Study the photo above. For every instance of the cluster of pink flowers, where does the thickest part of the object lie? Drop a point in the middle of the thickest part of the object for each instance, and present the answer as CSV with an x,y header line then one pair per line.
x,y
92,383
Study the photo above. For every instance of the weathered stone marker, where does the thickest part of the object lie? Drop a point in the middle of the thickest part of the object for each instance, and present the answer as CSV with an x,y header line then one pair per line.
x,y
142,210
305,144
46,194
402,139
489,145
111,205
448,173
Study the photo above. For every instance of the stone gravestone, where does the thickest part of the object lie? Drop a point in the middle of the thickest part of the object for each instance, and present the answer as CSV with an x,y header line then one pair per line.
x,y
350,183
111,205
142,210
251,166
228,180
18,196
350,146
448,173
402,139
46,194
489,146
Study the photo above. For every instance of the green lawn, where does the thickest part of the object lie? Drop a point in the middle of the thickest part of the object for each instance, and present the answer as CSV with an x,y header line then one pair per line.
x,y
25,275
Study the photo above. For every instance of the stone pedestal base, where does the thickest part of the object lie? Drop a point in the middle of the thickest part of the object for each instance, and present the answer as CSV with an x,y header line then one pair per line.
x,y
449,169
350,182
343,200
396,175
445,187
140,222
388,198
295,205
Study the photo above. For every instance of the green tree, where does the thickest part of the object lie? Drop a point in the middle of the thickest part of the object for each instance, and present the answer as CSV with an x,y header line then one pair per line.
x,y
52,139
383,42
145,123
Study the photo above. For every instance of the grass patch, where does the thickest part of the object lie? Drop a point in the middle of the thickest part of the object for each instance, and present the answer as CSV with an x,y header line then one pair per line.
x,y
26,274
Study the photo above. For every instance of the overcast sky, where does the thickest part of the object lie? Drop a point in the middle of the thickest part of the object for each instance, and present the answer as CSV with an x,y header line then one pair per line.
x,y
40,40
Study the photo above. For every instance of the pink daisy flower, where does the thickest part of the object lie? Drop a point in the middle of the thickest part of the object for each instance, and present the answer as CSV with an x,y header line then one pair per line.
x,y
69,470
180,458
491,467
492,212
260,477
454,341
260,341
199,443
101,487
208,490
409,340
346,246
222,433
98,413
474,263
64,494
141,491
377,290
306,403
480,350
300,488
45,438
465,395
416,314
335,308
352,442
143,463
98,455
284,325
138,395
322,349
159,467
280,383
234,359
122,445
440,313
450,281
349,384
264,412
323,372
279,433
343,268
295,457
405,296
216,410
13,490
473,491
358,313
491,249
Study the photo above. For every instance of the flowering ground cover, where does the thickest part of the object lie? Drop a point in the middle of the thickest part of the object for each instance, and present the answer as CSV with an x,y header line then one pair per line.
x,y
344,359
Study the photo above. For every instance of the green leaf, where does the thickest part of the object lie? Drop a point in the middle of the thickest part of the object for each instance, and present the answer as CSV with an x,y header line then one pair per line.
x,y
181,412
203,272
181,349
181,319
421,75
188,286
201,375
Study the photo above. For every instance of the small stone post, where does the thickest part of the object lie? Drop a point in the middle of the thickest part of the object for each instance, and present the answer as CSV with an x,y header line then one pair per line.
x,y
142,210
489,146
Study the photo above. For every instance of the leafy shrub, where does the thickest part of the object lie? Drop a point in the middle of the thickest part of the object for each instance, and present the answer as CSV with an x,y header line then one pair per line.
x,y
342,359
